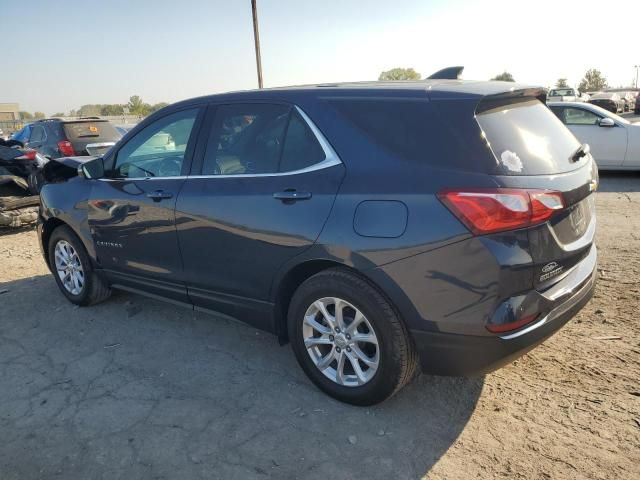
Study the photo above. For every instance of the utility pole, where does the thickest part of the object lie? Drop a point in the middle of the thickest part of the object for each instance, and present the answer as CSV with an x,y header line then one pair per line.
x,y
256,38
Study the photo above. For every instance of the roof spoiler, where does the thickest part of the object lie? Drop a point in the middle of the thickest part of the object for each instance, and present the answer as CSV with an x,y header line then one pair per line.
x,y
520,94
449,73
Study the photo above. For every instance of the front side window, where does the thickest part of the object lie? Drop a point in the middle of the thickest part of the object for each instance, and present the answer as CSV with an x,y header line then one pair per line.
x,y
579,116
254,139
159,149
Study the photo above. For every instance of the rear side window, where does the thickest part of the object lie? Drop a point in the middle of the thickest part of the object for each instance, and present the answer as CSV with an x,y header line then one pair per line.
x,y
91,132
301,148
254,139
37,134
526,138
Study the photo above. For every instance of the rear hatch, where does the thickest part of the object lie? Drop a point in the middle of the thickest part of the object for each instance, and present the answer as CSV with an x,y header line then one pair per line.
x,y
534,150
91,137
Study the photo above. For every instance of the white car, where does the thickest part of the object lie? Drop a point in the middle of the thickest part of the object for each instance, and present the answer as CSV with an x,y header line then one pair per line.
x,y
565,94
614,141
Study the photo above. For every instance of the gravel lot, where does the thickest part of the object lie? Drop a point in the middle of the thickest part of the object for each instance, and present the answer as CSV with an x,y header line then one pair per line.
x,y
134,388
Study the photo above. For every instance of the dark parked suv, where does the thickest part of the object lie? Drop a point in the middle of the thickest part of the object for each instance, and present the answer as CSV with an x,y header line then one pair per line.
x,y
57,138
381,228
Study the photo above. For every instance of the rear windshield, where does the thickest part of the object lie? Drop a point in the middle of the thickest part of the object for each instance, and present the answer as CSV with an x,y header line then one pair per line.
x,y
563,92
526,138
91,132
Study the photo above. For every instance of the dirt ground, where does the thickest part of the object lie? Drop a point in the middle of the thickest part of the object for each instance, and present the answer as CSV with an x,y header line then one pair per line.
x,y
134,388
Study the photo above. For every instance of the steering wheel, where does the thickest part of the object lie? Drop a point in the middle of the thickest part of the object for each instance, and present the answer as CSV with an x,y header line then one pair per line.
x,y
170,167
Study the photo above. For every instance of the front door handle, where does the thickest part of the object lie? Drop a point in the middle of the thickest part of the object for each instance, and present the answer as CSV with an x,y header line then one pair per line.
x,y
291,196
158,195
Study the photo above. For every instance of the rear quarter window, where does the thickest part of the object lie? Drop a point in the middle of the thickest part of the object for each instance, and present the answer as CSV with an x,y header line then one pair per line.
x,y
440,134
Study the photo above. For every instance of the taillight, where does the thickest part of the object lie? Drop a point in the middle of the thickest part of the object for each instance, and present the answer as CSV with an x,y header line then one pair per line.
x,y
508,327
65,148
494,210
28,155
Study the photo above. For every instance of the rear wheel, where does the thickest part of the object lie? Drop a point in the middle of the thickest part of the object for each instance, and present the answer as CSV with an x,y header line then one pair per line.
x,y
72,269
348,338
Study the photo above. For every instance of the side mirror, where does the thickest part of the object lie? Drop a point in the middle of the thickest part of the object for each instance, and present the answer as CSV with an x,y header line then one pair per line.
x,y
607,122
92,169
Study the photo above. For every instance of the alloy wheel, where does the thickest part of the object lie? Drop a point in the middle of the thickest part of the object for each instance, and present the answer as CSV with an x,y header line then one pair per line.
x,y
341,342
69,267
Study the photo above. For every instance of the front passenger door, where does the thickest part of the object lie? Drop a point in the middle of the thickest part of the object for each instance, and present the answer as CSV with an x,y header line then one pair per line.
x,y
132,211
608,144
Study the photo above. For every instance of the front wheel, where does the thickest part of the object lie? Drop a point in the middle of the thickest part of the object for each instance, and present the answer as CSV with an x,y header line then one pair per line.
x,y
72,269
348,338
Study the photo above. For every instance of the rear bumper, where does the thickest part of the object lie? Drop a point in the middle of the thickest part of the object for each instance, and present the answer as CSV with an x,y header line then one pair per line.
x,y
469,355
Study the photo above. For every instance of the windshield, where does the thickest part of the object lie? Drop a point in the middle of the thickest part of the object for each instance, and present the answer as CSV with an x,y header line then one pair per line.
x,y
561,92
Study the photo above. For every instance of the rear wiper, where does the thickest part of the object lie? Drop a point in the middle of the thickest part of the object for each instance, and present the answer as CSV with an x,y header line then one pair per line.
x,y
582,151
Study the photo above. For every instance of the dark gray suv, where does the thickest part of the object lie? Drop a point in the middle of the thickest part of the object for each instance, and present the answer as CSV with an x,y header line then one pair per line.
x,y
55,137
381,228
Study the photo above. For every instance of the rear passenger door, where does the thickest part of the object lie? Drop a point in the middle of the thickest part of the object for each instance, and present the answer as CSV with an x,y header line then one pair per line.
x,y
262,191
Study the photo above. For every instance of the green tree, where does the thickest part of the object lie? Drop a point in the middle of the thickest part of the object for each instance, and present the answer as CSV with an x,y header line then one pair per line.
x,y
89,110
561,83
399,74
38,115
59,114
137,106
114,109
593,81
157,106
504,77
26,116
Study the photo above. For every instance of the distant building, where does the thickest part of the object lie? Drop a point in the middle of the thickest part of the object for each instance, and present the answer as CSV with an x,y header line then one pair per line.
x,y
9,112
10,120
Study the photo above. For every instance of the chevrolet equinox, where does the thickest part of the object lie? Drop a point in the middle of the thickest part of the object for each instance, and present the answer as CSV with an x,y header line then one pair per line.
x,y
382,229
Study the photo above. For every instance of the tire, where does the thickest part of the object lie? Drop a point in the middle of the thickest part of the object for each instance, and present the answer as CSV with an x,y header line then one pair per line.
x,y
395,353
94,289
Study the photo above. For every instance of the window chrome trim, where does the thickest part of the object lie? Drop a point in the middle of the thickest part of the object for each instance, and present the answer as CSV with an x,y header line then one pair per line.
x,y
331,160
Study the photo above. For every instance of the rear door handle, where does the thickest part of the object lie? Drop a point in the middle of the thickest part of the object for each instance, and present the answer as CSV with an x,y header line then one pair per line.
x,y
158,195
291,196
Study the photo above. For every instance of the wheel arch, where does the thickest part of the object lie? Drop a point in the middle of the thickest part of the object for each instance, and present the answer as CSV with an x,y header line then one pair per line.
x,y
299,274
48,227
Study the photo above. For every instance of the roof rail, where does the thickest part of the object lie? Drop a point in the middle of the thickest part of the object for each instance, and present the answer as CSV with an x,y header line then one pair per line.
x,y
449,73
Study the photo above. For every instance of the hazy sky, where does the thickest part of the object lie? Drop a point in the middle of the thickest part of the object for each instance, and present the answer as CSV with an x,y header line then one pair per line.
x,y
69,53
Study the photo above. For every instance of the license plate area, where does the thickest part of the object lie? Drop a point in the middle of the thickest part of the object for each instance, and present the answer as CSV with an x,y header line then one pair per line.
x,y
574,225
